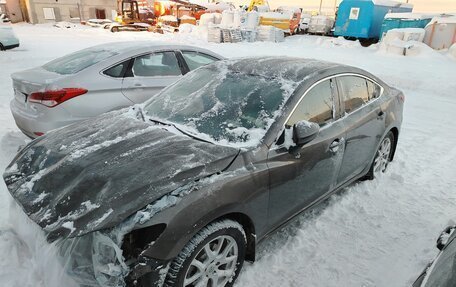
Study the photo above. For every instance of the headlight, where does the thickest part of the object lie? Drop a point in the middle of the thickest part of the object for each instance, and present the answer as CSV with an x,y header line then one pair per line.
x,y
94,260
108,264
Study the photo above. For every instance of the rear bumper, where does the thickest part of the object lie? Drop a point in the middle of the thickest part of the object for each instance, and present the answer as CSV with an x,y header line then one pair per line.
x,y
33,122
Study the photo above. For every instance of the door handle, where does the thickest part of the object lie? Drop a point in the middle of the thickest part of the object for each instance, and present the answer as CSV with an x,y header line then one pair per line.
x,y
138,85
334,146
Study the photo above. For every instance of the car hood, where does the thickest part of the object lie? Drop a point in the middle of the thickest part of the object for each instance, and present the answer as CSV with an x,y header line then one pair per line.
x,y
93,175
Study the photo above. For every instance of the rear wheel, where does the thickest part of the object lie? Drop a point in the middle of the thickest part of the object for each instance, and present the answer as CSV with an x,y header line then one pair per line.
x,y
213,257
383,156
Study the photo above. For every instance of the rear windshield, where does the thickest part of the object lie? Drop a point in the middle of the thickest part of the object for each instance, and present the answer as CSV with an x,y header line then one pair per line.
x,y
78,61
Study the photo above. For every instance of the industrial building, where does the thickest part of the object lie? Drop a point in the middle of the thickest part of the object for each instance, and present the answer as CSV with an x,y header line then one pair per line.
x,y
43,11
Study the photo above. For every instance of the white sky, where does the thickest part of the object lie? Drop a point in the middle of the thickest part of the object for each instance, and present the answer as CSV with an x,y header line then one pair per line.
x,y
419,5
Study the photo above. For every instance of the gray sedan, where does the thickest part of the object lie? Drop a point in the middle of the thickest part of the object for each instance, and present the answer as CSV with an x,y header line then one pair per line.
x,y
97,80
181,190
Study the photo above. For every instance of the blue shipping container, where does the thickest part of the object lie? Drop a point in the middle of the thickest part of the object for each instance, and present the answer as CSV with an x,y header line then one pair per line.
x,y
363,19
406,22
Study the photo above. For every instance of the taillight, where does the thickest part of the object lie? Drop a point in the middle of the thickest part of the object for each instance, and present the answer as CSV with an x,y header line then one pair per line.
x,y
55,97
402,98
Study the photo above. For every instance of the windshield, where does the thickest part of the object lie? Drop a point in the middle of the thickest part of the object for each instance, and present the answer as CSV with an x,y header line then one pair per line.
x,y
225,106
76,62
443,273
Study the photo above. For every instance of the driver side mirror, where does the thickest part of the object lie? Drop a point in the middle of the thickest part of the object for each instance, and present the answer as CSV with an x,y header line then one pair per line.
x,y
304,132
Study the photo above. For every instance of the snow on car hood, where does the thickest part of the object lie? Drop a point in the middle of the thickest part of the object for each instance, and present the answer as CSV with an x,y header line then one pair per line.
x,y
93,175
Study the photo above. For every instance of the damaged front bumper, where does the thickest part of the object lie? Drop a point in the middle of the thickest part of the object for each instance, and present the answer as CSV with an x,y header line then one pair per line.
x,y
96,259
93,260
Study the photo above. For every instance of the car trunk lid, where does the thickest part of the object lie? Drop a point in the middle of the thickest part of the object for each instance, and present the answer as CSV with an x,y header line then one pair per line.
x,y
32,80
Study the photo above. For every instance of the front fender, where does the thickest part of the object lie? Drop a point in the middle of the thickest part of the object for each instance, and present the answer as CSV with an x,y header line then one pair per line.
x,y
238,192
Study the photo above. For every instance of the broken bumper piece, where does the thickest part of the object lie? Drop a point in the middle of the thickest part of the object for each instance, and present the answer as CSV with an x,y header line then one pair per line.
x,y
96,260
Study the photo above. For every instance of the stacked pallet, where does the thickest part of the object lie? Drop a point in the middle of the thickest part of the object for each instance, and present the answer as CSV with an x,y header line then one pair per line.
x,y
214,34
270,34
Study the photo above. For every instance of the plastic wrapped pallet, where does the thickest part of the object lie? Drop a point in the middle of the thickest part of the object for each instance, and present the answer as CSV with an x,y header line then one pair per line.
x,y
248,35
236,35
236,19
214,34
270,34
266,33
226,35
231,35
405,34
217,18
279,35
207,19
414,34
227,19
253,18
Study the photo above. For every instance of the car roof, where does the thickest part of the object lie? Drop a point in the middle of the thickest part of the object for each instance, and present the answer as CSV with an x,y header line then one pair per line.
x,y
140,46
288,68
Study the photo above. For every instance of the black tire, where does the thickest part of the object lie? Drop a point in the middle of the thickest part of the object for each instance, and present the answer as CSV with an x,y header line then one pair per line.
x,y
226,228
371,174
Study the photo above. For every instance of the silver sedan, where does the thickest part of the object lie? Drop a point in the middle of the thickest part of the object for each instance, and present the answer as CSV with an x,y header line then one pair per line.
x,y
97,80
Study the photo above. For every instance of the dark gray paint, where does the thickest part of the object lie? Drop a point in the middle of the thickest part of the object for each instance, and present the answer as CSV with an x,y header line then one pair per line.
x,y
264,187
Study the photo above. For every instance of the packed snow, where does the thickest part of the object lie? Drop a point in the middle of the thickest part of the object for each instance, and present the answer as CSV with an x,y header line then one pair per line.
x,y
374,233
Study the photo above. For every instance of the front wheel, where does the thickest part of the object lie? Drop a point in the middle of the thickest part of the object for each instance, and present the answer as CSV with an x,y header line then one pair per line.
x,y
383,156
213,257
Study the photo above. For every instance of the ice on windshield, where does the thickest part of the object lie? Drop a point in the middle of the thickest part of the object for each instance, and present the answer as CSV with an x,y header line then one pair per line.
x,y
76,62
229,107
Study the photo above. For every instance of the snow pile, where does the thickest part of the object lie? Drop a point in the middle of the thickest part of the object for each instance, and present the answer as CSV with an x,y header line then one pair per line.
x,y
26,257
452,51
186,28
168,18
405,41
410,16
65,25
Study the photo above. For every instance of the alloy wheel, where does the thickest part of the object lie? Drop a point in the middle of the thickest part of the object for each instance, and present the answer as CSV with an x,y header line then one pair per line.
x,y
382,157
214,265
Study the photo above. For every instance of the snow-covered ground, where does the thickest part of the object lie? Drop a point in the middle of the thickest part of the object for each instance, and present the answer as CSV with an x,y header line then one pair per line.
x,y
378,233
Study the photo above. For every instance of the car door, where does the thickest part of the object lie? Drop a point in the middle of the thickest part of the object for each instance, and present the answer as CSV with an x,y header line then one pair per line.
x,y
149,74
300,176
364,121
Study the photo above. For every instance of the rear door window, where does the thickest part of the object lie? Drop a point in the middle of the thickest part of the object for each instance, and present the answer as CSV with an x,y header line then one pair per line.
x,y
353,92
317,106
156,65
76,62
195,60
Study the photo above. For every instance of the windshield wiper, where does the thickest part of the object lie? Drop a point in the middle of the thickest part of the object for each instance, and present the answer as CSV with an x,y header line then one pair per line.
x,y
170,124
192,135
160,122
